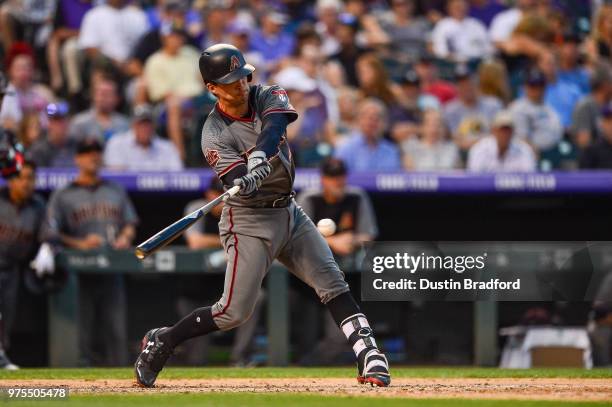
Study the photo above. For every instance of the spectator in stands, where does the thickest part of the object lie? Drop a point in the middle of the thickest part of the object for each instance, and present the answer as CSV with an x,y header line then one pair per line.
x,y
101,120
23,94
140,149
485,10
430,81
110,31
407,32
561,95
374,82
598,155
172,78
28,21
503,24
62,49
29,130
599,45
310,135
351,209
270,40
171,13
21,214
55,149
366,149
459,37
502,151
347,99
493,80
349,51
327,13
91,213
469,115
412,98
215,18
534,120
586,112
432,151
570,68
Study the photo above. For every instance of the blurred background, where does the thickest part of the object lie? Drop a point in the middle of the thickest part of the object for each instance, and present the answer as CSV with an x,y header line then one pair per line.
x,y
418,120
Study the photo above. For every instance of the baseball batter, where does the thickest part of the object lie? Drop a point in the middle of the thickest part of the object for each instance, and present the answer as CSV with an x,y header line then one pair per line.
x,y
244,140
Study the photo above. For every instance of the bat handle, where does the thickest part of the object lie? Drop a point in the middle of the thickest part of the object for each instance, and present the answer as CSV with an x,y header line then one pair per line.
x,y
231,192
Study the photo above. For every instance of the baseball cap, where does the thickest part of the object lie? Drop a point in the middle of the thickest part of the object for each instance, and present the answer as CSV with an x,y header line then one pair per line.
x,y
503,119
333,167
535,77
239,27
57,110
142,113
88,145
410,78
168,28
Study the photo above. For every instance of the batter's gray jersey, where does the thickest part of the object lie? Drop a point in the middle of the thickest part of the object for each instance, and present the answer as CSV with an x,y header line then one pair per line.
x,y
227,142
19,228
76,211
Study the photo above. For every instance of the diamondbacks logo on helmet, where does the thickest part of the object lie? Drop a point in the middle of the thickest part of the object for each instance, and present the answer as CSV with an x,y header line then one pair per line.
x,y
234,63
212,157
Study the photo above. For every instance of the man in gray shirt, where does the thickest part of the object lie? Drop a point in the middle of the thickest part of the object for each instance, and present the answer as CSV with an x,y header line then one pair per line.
x,y
350,208
587,111
56,150
101,120
535,121
94,214
469,115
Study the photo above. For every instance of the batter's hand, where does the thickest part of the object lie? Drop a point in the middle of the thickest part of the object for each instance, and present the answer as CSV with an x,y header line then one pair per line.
x,y
258,165
249,184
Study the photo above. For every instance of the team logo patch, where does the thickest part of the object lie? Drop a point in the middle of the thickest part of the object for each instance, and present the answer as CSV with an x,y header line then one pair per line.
x,y
234,63
212,157
282,95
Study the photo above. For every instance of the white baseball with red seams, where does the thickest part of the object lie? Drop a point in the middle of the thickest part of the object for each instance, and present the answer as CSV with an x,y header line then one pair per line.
x,y
327,227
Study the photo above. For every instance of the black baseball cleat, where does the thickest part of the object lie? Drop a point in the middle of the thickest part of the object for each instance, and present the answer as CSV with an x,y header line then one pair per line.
x,y
153,356
375,369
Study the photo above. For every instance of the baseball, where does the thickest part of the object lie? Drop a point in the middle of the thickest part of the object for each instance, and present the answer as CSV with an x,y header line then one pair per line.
x,y
327,227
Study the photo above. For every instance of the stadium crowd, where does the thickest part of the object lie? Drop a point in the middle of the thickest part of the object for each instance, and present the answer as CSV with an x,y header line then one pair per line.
x,y
487,85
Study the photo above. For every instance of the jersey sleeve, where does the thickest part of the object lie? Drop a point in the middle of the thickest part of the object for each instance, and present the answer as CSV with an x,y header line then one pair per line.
x,y
54,220
274,99
218,149
130,217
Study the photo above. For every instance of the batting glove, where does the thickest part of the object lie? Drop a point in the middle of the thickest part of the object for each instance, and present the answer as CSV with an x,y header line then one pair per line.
x,y
258,165
249,184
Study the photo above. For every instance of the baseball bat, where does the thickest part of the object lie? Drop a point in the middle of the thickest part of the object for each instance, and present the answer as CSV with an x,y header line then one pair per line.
x,y
167,235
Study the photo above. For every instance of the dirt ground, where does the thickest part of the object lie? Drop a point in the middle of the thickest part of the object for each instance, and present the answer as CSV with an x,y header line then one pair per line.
x,y
541,389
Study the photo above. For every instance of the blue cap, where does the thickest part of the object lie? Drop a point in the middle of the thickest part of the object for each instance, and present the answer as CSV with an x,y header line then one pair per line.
x,y
59,109
535,77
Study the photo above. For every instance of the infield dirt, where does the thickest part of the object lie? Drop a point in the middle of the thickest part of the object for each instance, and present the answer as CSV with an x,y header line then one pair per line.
x,y
467,388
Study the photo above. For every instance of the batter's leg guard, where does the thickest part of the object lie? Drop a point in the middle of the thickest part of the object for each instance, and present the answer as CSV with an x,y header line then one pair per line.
x,y
372,365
